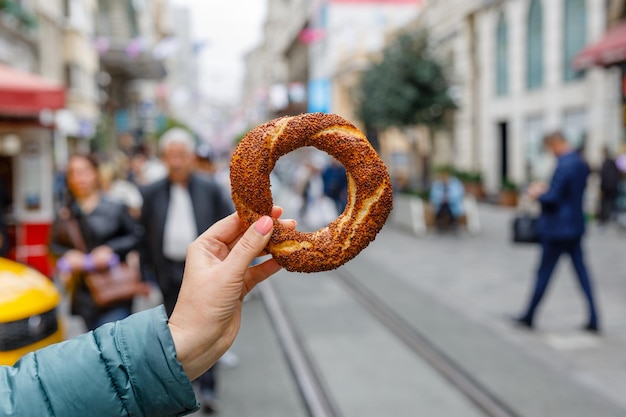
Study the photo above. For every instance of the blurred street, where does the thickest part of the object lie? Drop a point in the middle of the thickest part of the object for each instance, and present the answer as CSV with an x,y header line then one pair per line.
x,y
457,292
116,154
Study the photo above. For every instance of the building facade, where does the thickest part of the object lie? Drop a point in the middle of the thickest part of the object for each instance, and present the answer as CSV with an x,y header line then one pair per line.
x,y
350,33
512,73
314,52
63,63
71,23
31,94
278,69
127,33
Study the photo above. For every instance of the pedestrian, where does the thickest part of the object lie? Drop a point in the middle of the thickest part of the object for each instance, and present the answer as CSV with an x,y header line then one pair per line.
x,y
561,226
204,160
336,184
175,211
609,186
143,365
206,164
108,232
446,198
308,183
144,168
115,184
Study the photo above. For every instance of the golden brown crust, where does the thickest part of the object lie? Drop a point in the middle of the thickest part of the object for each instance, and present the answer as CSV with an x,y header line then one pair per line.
x,y
369,187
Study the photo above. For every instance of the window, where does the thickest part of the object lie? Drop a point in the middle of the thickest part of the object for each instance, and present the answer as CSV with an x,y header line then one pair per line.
x,y
534,46
575,127
574,36
502,57
70,75
104,24
76,15
539,164
78,81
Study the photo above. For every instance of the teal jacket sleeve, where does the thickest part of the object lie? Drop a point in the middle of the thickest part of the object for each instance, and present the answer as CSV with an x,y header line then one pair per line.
x,y
127,368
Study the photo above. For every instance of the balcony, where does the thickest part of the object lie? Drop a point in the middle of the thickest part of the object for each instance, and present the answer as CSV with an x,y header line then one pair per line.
x,y
129,59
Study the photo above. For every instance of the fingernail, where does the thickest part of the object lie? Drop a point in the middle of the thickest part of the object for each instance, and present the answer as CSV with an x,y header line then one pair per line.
x,y
264,225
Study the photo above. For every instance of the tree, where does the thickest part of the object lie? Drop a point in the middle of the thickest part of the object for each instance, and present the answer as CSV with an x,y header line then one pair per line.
x,y
167,123
406,88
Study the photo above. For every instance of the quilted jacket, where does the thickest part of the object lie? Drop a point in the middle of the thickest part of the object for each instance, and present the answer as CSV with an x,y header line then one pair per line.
x,y
128,368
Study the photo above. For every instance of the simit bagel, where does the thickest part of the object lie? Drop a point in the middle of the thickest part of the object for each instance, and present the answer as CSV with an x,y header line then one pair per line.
x,y
369,188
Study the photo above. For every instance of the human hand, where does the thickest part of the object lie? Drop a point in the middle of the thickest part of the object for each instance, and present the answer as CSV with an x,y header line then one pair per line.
x,y
74,259
101,257
536,189
217,277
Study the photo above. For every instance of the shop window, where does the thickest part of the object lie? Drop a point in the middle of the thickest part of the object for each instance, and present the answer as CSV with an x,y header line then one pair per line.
x,y
538,164
534,46
574,36
502,57
575,127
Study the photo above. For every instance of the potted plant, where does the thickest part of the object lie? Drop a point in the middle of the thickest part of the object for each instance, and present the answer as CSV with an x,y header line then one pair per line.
x,y
473,183
508,193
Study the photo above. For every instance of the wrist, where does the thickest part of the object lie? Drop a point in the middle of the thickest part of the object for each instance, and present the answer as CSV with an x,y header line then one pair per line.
x,y
196,351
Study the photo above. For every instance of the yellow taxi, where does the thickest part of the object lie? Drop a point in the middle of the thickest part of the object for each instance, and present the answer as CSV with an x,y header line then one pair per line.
x,y
29,319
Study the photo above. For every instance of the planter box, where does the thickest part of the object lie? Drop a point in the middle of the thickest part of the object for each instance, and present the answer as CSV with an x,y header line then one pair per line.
x,y
413,214
475,189
409,213
508,198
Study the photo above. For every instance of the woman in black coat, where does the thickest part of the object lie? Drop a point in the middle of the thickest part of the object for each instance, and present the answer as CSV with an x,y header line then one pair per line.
x,y
109,234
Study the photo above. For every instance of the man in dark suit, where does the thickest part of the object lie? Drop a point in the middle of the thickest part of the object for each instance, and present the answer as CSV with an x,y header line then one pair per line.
x,y
561,225
175,211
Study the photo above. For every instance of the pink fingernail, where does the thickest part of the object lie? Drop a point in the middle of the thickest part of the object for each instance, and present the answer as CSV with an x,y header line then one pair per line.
x,y
264,225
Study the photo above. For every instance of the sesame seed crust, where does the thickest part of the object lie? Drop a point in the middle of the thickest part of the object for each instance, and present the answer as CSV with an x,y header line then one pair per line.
x,y
370,196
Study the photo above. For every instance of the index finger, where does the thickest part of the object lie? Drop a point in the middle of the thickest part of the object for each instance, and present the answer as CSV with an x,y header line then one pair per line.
x,y
230,228
225,230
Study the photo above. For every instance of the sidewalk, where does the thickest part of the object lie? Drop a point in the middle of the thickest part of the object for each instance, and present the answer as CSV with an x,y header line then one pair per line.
x,y
486,278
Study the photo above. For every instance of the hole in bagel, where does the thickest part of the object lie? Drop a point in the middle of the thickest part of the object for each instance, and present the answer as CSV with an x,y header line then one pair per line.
x,y
311,186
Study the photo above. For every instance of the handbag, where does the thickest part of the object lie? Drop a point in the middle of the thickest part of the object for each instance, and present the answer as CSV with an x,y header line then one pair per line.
x,y
119,282
525,229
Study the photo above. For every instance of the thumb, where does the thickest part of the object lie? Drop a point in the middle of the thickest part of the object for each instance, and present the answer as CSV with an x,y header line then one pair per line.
x,y
250,245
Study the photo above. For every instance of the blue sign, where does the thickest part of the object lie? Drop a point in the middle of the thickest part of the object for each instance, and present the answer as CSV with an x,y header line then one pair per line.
x,y
320,96
122,122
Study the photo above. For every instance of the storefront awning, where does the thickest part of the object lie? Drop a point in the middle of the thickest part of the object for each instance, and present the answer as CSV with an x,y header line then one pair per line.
x,y
24,94
609,50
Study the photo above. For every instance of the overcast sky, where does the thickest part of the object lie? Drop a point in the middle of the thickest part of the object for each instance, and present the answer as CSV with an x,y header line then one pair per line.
x,y
230,28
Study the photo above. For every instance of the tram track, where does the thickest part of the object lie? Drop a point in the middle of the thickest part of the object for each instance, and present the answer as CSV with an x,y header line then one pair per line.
x,y
489,404
319,402
315,396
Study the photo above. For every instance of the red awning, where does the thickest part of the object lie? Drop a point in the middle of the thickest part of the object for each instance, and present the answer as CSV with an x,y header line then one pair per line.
x,y
24,94
609,50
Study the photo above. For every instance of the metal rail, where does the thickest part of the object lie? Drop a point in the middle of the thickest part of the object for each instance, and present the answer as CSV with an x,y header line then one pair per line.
x,y
316,398
468,386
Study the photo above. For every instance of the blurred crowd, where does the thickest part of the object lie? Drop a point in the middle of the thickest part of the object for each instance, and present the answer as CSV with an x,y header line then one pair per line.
x,y
612,198
139,210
